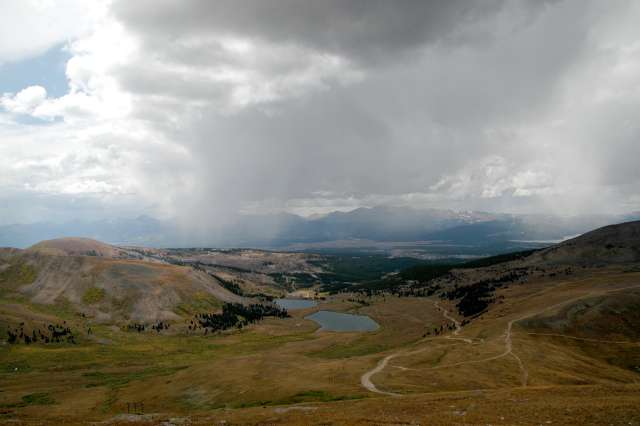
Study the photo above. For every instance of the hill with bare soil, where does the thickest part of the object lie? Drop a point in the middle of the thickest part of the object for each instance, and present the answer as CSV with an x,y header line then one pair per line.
x,y
101,282
77,247
611,244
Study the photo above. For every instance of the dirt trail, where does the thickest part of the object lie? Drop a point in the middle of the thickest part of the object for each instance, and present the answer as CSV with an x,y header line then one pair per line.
x,y
365,379
586,339
366,382
456,323
508,343
509,351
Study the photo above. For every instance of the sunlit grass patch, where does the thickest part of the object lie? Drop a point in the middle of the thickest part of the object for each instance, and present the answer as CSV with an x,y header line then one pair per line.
x,y
18,273
93,295
198,303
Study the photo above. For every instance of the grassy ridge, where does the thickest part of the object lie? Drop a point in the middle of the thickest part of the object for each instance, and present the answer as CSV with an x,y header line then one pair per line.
x,y
93,295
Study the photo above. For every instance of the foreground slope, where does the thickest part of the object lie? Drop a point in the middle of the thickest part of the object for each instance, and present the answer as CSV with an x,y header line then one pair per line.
x,y
560,316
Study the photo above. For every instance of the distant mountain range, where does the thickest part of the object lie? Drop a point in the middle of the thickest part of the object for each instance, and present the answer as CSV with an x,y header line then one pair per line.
x,y
382,224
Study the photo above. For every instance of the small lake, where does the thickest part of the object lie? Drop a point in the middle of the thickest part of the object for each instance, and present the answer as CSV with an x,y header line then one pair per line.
x,y
337,321
292,304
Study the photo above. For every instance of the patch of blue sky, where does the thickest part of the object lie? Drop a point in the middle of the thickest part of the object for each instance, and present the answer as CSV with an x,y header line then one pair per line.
x,y
29,120
46,70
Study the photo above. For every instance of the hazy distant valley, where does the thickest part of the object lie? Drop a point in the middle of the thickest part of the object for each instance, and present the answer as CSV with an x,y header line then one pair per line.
x,y
422,232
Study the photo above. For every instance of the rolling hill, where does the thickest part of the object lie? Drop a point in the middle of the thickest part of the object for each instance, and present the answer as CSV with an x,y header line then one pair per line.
x,y
77,247
107,283
613,244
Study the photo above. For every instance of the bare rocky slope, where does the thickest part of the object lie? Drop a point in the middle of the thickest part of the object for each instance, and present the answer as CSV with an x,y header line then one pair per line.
x,y
102,282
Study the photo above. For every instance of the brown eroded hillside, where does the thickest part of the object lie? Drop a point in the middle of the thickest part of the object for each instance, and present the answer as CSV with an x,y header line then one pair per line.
x,y
100,282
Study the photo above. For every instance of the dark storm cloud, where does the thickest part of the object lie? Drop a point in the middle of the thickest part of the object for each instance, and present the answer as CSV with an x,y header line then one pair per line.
x,y
360,29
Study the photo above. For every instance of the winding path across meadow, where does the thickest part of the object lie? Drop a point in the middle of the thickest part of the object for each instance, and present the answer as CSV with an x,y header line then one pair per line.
x,y
366,382
365,379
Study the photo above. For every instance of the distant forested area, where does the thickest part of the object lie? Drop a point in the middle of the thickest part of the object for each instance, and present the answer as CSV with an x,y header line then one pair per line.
x,y
427,272
417,280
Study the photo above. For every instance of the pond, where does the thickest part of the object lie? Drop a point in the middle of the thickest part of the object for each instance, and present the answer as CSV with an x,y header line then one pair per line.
x,y
292,304
337,321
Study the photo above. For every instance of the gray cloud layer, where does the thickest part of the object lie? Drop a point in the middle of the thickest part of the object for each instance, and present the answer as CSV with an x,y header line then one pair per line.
x,y
357,29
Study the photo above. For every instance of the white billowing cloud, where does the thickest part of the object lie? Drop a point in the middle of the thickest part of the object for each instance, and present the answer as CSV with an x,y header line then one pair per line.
x,y
26,101
30,27
494,177
89,149
202,109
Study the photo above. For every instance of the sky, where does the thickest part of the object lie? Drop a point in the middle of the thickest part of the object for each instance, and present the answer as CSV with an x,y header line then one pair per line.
x,y
199,110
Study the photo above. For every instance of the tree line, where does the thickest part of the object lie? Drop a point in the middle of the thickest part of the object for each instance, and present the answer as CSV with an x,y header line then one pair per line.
x,y
234,315
140,327
439,330
54,333
475,298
